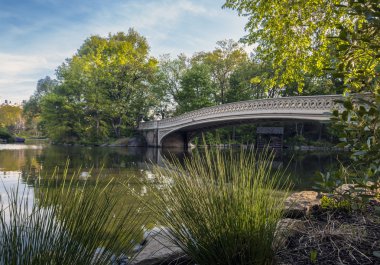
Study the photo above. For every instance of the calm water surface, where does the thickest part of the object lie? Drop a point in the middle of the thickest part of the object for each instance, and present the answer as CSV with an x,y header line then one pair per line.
x,y
24,163
40,159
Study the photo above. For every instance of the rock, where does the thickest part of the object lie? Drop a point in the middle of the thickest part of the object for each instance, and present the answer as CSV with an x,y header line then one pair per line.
x,y
101,252
286,228
148,234
122,259
299,204
354,190
159,248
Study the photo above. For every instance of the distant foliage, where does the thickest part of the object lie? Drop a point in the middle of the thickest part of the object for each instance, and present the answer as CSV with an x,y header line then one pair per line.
x,y
11,119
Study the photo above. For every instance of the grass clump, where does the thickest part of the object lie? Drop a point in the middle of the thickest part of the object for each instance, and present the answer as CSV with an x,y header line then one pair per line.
x,y
64,221
222,206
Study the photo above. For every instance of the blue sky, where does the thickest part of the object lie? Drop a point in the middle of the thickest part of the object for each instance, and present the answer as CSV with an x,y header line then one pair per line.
x,y
37,35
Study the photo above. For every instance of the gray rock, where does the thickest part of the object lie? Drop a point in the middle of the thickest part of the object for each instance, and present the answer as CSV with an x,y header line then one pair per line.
x,y
99,252
122,259
299,204
286,228
354,190
158,248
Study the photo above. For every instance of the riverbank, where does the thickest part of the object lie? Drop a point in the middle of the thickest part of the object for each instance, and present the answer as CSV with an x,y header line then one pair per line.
x,y
309,233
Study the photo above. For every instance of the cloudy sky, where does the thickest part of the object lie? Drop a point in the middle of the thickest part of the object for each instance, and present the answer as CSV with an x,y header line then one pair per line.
x,y
37,35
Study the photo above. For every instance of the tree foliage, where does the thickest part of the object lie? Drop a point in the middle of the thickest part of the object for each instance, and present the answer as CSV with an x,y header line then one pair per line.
x,y
102,91
11,118
358,127
301,38
197,90
32,108
222,62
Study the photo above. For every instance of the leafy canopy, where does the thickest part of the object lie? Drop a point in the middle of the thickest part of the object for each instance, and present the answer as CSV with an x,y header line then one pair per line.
x,y
103,89
311,37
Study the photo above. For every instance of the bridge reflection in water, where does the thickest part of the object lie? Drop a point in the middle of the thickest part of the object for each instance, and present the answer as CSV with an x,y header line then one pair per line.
x,y
120,163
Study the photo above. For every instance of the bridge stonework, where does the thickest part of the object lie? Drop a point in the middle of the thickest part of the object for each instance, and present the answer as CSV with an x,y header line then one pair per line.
x,y
177,131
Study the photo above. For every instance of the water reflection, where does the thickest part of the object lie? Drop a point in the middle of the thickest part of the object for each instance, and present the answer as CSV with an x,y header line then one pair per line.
x,y
128,167
32,160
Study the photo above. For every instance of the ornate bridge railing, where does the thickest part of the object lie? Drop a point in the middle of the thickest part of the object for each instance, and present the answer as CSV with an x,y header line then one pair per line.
x,y
304,104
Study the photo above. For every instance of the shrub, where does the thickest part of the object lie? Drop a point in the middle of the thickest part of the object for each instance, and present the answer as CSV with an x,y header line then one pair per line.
x,y
64,222
4,134
331,203
222,207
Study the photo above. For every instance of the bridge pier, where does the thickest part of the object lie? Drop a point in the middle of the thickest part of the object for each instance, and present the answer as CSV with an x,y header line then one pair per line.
x,y
151,137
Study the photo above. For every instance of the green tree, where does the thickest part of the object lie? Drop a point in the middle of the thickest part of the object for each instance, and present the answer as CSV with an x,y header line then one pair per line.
x,y
197,90
358,127
62,117
11,118
227,56
246,82
167,84
104,89
301,38
32,108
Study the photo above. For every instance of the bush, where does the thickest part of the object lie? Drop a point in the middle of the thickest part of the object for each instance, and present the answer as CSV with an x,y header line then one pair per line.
x,y
5,135
357,126
222,207
331,203
62,222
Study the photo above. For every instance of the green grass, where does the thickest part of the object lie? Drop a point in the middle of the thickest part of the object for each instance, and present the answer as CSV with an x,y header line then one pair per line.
x,y
63,221
222,207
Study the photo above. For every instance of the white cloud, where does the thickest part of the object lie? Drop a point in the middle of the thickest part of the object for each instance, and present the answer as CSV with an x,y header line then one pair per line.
x,y
19,74
15,64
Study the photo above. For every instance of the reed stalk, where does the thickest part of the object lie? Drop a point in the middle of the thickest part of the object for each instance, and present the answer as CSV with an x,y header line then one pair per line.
x,y
63,220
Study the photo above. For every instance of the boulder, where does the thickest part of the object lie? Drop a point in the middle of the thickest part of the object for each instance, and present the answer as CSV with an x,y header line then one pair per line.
x,y
286,228
159,248
354,190
300,203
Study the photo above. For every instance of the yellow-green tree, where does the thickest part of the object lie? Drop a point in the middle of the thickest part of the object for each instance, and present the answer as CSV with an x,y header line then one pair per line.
x,y
222,62
104,89
11,118
319,37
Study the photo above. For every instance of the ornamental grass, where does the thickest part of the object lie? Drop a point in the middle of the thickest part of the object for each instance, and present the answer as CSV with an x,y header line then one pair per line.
x,y
222,207
64,221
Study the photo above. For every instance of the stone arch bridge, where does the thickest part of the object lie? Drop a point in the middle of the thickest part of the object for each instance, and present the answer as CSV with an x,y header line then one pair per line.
x,y
178,131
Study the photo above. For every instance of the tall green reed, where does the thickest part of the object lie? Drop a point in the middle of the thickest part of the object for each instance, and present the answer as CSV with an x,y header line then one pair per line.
x,y
222,206
63,220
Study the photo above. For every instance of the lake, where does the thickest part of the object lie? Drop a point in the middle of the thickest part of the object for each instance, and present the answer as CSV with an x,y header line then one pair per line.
x,y
128,168
120,163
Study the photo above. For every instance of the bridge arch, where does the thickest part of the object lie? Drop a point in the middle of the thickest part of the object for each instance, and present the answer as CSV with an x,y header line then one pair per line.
x,y
173,131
